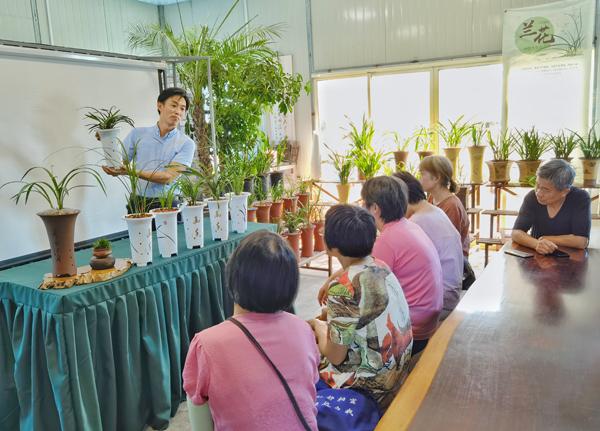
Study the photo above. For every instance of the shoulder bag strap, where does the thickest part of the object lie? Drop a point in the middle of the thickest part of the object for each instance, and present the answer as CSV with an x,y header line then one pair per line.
x,y
281,378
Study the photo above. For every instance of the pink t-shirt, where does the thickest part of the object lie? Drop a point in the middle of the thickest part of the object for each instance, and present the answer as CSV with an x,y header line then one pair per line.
x,y
224,368
411,255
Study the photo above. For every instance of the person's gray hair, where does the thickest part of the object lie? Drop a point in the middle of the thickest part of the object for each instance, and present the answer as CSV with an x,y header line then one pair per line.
x,y
559,171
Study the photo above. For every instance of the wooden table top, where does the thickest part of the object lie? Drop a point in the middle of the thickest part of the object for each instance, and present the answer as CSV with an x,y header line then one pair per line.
x,y
521,351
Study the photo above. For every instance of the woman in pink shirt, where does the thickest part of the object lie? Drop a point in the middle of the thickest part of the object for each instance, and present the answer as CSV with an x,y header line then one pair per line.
x,y
226,370
410,254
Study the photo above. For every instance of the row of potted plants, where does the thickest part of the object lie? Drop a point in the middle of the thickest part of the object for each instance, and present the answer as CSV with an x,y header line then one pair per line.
x,y
529,145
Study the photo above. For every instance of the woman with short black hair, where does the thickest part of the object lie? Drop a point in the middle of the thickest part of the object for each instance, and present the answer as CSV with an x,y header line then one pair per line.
x,y
223,367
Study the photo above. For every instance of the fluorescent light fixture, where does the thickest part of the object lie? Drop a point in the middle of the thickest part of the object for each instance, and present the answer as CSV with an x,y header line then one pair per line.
x,y
162,2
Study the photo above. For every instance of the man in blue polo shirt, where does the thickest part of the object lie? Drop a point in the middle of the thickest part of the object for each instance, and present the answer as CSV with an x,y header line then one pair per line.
x,y
162,151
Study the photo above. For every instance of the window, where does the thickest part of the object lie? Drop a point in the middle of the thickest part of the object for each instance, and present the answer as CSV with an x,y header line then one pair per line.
x,y
475,92
399,103
340,101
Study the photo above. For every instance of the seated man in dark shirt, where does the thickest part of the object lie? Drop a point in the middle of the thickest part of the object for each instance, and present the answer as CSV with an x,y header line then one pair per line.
x,y
557,213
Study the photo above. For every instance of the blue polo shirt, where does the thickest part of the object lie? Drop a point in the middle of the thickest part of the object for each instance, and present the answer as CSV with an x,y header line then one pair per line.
x,y
154,153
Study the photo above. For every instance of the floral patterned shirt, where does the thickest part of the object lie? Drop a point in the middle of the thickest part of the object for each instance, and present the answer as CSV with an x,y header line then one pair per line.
x,y
367,311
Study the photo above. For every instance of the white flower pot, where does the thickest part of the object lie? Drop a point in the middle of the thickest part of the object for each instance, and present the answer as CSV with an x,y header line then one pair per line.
x,y
238,207
219,218
166,231
140,239
111,146
193,225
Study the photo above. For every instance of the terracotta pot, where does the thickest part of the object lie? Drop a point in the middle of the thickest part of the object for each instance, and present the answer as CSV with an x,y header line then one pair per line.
x,y
302,199
319,237
308,240
527,169
423,154
252,214
499,171
293,239
60,227
361,176
290,204
343,193
476,156
452,154
400,157
249,185
276,211
101,253
263,212
276,178
590,171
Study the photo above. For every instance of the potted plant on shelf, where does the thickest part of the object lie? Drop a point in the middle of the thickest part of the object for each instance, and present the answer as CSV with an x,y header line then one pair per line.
x,y
476,151
58,220
192,212
362,142
590,148
104,122
276,202
563,145
166,222
343,164
423,142
530,147
102,255
290,199
303,192
369,163
238,198
307,229
280,151
500,165
453,134
263,206
318,221
252,209
292,222
401,154
263,161
215,183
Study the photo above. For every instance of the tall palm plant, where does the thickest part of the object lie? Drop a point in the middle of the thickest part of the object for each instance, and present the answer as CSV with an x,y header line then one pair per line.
x,y
246,75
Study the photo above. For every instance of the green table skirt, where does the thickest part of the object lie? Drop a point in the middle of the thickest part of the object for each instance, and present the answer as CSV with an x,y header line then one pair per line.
x,y
107,356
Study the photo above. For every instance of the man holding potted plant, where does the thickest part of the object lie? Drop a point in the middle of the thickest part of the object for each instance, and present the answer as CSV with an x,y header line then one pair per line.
x,y
162,151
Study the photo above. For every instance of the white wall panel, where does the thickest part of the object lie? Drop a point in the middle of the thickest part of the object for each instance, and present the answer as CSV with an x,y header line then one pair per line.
x,y
16,22
356,33
204,12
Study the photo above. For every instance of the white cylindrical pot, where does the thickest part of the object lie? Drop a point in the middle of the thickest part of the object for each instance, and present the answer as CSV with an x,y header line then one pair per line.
x,y
140,239
238,208
166,231
219,218
193,225
111,146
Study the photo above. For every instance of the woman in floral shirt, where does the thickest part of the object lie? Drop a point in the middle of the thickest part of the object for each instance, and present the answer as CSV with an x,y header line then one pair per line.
x,y
367,338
